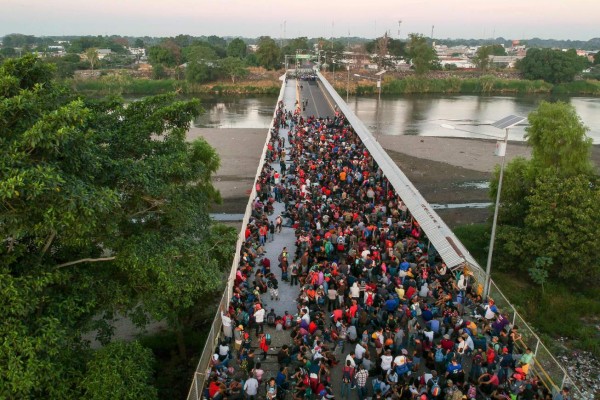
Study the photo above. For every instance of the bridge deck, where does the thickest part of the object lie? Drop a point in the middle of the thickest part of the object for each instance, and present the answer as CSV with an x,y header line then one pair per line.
x,y
319,104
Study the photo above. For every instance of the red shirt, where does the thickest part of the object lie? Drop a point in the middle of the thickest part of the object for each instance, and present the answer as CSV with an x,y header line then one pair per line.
x,y
213,388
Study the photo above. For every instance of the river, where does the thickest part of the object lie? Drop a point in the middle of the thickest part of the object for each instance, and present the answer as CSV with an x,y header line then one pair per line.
x,y
421,115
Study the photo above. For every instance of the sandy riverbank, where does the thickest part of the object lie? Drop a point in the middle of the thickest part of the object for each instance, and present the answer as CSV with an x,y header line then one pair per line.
x,y
441,168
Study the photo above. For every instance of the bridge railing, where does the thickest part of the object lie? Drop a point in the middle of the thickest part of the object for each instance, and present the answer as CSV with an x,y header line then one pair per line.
x,y
202,369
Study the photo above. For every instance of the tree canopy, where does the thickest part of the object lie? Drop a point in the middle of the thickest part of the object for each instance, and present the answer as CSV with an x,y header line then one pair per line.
x,y
237,48
554,66
104,209
550,205
268,53
420,53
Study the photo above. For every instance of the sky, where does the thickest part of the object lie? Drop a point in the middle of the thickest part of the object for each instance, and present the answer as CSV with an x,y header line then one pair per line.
x,y
478,19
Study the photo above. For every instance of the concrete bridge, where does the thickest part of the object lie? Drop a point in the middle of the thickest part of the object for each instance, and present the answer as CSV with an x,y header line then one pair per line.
x,y
323,101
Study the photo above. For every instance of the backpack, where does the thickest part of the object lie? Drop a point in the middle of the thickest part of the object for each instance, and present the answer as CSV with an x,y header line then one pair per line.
x,y
288,322
439,355
271,319
268,339
346,378
376,386
435,387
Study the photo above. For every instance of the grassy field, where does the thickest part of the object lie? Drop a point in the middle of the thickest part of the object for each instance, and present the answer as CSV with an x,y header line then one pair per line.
x,y
558,311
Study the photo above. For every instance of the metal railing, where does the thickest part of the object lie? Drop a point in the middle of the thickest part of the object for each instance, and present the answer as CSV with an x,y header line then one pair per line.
x,y
203,367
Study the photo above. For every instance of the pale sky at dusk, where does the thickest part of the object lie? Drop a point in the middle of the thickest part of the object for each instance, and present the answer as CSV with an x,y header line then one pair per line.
x,y
511,19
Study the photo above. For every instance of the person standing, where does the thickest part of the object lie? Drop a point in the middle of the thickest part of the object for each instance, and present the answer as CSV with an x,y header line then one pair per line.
x,y
294,274
347,378
271,231
227,328
361,382
259,319
251,388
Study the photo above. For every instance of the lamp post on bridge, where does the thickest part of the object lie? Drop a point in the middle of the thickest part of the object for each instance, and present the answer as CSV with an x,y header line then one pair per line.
x,y
505,123
378,80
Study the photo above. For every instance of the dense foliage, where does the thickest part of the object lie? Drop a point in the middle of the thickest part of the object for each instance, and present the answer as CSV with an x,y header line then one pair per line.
x,y
551,204
421,54
554,66
104,209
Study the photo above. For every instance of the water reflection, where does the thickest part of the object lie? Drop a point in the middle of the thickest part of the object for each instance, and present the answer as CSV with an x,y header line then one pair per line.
x,y
424,114
405,115
236,112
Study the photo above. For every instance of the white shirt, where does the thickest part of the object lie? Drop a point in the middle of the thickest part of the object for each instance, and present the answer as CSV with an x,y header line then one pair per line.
x,y
359,351
354,290
251,387
386,362
226,320
223,350
470,343
352,363
400,360
259,316
489,314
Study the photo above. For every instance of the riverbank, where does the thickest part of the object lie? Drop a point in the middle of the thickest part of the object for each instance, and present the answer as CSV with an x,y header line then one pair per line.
x,y
119,85
489,85
268,83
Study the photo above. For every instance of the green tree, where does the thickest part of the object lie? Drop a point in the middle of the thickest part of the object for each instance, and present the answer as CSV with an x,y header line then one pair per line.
x,y
66,65
299,44
200,52
201,63
550,203
554,66
120,371
422,56
104,208
8,52
139,43
159,72
482,57
562,223
158,55
597,58
237,48
168,54
91,55
268,53
559,140
234,68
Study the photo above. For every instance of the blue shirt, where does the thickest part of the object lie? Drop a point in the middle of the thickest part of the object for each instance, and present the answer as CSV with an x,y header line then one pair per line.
x,y
280,379
391,305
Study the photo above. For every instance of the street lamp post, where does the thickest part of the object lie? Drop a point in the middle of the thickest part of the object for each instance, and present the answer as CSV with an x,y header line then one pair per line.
x,y
348,83
505,123
378,80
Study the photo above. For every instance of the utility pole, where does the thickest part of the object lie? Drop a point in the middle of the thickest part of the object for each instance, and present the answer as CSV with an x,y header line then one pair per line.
x,y
399,25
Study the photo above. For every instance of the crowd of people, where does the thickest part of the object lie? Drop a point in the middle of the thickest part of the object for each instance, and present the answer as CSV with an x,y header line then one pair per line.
x,y
376,308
